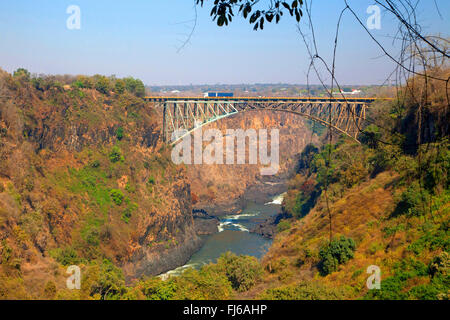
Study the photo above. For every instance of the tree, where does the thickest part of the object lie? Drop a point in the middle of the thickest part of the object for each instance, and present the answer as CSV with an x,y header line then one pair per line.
x,y
306,157
83,82
108,281
119,133
40,84
370,136
134,86
140,89
120,86
102,85
243,272
22,73
339,251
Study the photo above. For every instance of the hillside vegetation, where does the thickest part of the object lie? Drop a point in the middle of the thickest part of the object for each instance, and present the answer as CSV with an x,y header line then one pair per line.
x,y
381,203
385,202
84,180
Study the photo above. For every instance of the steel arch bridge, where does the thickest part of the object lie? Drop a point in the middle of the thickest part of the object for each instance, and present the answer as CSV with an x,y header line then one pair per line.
x,y
190,113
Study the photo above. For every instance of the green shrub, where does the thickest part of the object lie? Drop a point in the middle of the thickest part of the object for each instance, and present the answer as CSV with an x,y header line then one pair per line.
x,y
109,281
119,133
306,157
157,289
371,136
102,85
6,252
393,288
116,155
117,196
339,251
127,213
66,256
283,226
208,283
439,284
242,271
134,86
78,84
413,201
425,292
130,188
433,240
3,132
22,73
205,284
304,203
120,86
83,83
309,290
91,235
440,265
89,181
436,170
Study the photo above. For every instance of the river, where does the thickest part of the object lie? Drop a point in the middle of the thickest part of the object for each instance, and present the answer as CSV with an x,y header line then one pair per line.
x,y
234,236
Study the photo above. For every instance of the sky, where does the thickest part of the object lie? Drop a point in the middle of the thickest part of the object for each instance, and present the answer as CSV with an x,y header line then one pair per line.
x,y
144,39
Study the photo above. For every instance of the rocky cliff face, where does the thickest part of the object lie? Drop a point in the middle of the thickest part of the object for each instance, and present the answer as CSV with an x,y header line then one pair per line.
x,y
226,184
84,176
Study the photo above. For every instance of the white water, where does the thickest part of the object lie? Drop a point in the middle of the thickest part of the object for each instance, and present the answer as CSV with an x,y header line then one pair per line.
x,y
224,224
242,215
177,271
230,221
277,199
234,236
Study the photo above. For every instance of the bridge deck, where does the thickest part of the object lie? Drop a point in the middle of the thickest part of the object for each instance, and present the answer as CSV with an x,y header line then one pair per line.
x,y
262,99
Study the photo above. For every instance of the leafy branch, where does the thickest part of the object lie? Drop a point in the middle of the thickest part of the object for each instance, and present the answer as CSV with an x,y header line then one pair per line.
x,y
223,11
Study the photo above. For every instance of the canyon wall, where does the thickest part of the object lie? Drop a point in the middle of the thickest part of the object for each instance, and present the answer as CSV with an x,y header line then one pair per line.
x,y
84,176
225,184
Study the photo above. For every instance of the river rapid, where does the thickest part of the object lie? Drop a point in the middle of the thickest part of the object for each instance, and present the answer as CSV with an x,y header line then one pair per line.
x,y
234,235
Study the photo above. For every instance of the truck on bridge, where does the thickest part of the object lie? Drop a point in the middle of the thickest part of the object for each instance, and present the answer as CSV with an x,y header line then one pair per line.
x,y
218,95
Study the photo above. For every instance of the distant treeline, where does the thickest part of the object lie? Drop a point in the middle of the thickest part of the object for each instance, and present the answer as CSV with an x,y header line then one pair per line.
x,y
103,84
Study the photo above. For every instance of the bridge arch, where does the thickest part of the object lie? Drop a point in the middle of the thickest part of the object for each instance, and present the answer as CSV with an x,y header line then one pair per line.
x,y
189,114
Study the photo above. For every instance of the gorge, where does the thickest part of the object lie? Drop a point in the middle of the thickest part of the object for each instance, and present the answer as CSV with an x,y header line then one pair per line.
x,y
95,180
86,181
238,196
